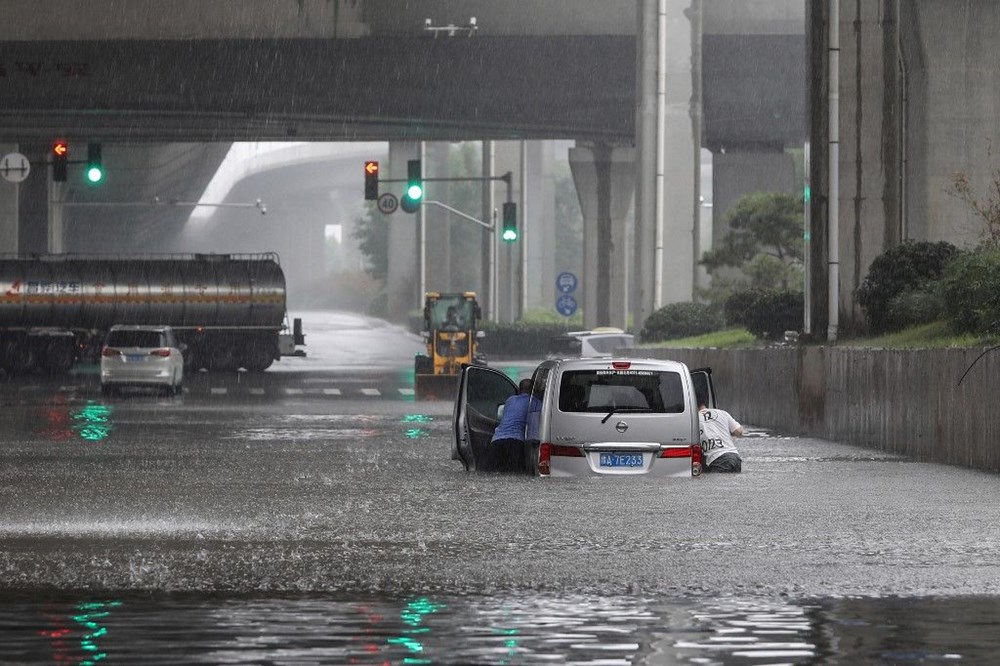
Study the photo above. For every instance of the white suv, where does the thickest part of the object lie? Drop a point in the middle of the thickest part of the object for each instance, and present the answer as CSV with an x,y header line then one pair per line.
x,y
602,341
142,356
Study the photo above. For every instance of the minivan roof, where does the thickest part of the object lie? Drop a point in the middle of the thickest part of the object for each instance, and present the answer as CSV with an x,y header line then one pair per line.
x,y
608,362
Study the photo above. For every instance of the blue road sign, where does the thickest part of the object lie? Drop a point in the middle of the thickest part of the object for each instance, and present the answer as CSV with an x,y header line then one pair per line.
x,y
566,283
566,305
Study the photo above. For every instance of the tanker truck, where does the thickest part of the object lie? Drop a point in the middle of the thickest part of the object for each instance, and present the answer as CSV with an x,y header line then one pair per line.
x,y
228,310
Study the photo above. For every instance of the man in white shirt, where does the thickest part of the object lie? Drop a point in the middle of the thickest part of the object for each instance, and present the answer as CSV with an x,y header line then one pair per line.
x,y
718,428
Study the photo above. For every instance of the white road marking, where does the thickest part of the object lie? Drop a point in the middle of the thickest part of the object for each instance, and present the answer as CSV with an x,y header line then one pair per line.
x,y
256,391
220,390
371,391
294,391
333,391
406,391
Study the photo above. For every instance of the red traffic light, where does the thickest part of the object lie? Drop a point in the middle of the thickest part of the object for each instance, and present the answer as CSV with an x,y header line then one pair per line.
x,y
60,151
371,180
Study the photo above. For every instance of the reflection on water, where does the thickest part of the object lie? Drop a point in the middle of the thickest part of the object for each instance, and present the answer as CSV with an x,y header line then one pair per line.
x,y
62,421
526,629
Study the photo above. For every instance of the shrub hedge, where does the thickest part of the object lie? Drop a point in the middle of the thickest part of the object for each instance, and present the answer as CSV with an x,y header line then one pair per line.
x,y
971,291
681,320
913,266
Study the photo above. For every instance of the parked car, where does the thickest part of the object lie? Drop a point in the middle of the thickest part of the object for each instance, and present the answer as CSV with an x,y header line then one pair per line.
x,y
602,341
595,416
141,356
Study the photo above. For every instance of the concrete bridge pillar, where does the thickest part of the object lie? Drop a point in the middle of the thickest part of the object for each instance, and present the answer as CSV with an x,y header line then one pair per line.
x,y
9,194
403,277
605,182
35,231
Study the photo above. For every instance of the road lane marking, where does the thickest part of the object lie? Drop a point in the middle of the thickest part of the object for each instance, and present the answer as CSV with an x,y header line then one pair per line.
x,y
331,391
294,391
219,391
371,391
406,391
256,391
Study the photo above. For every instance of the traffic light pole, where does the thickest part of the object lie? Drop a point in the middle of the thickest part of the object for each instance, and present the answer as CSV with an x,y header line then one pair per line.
x,y
489,226
506,178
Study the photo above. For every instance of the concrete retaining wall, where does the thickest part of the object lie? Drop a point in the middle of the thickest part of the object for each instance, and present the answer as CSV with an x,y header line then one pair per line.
x,y
903,401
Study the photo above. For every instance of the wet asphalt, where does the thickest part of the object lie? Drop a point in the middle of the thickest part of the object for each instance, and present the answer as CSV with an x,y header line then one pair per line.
x,y
331,478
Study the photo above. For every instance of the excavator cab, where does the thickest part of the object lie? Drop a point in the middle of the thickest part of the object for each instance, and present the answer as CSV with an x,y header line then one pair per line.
x,y
451,332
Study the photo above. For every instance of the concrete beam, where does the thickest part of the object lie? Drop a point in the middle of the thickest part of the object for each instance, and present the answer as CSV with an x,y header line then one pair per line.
x,y
605,182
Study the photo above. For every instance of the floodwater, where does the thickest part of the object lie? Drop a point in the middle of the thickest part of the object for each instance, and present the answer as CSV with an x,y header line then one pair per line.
x,y
320,520
497,629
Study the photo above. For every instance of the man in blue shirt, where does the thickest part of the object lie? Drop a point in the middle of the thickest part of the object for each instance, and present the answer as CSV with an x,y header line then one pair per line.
x,y
508,439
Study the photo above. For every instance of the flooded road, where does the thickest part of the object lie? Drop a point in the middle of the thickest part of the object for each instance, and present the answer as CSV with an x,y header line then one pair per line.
x,y
303,525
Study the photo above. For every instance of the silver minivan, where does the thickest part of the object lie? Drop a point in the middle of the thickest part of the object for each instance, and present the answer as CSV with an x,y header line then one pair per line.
x,y
594,416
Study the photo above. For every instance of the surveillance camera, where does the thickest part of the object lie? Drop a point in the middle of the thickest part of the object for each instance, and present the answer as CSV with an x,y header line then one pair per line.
x,y
427,23
472,21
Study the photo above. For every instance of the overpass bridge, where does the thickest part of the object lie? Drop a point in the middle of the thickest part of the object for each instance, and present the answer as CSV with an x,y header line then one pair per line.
x,y
167,86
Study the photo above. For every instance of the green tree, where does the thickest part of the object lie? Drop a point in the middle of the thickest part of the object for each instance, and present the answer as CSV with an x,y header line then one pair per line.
x,y
371,230
764,242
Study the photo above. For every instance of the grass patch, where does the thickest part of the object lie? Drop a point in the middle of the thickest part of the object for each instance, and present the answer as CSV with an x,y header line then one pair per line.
x,y
733,338
936,335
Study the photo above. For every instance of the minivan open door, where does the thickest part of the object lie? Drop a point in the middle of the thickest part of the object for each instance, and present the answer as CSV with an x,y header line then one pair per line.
x,y
702,379
481,392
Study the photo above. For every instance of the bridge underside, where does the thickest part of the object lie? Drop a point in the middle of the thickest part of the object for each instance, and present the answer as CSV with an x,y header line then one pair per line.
x,y
574,87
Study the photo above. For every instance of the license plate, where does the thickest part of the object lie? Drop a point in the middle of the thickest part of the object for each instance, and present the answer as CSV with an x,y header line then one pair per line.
x,y
135,358
621,460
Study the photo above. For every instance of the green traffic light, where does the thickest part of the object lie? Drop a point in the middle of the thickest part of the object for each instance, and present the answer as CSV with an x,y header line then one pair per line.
x,y
95,174
414,192
509,235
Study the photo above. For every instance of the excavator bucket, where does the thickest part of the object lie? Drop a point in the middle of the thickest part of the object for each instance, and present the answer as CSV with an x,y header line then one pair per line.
x,y
435,387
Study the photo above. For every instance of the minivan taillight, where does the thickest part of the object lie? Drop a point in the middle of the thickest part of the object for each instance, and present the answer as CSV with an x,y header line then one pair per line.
x,y
110,351
544,459
160,352
693,452
676,452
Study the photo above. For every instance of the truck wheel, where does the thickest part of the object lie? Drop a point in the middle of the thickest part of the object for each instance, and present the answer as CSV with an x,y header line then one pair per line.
x,y
423,364
18,358
59,357
257,358
221,359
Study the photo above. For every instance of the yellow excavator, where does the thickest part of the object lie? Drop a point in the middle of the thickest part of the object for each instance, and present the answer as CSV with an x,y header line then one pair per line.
x,y
451,332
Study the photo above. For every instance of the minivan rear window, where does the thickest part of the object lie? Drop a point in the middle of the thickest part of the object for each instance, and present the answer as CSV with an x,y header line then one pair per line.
x,y
655,391
134,339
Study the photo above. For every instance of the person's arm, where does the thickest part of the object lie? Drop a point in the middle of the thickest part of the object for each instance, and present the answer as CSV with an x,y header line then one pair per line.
x,y
735,429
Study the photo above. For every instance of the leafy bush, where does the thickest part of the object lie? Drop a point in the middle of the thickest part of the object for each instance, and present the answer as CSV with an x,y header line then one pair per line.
x,y
739,306
681,320
914,307
911,266
971,291
775,311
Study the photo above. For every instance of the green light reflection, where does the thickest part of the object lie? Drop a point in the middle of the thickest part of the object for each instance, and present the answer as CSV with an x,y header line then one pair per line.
x,y
92,422
413,616
89,612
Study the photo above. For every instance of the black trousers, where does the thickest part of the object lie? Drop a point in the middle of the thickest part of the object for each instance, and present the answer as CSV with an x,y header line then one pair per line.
x,y
727,462
505,455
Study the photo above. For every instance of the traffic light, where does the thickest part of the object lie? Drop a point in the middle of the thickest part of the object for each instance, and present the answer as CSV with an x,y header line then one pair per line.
x,y
414,187
371,180
95,170
60,155
509,233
